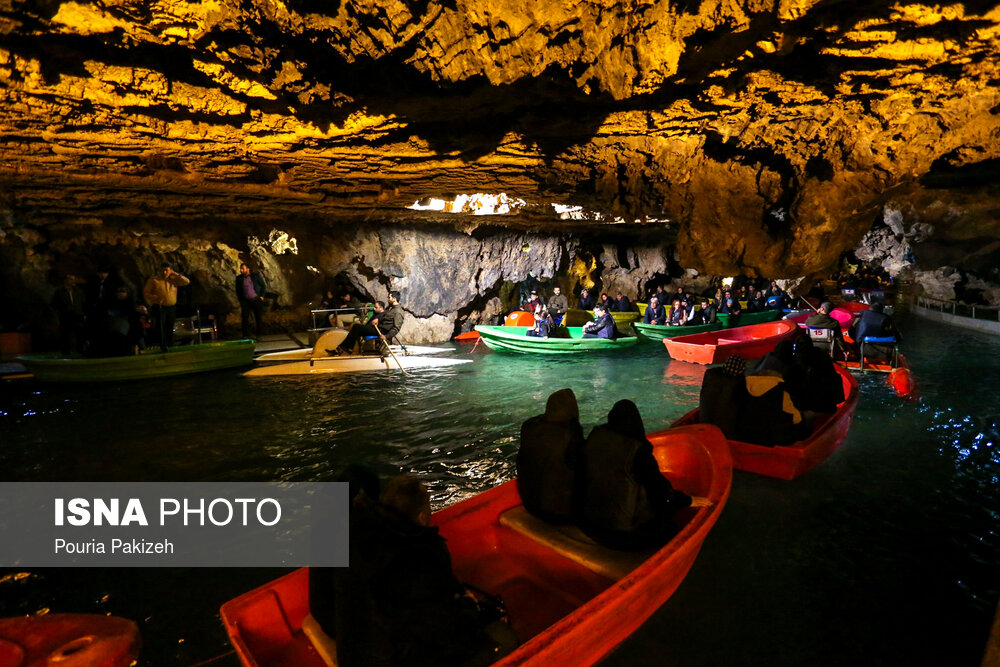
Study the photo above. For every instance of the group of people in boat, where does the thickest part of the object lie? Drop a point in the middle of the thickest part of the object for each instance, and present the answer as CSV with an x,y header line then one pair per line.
x,y
382,325
774,401
400,603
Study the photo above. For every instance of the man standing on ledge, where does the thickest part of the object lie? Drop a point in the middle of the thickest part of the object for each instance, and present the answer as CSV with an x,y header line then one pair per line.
x,y
250,289
160,293
389,325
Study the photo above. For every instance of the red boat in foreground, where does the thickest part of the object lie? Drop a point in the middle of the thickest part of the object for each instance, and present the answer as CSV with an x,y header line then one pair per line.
x,y
791,461
714,347
68,640
570,601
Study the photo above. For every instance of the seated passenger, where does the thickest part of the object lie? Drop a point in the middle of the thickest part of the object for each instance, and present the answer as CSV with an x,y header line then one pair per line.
x,y
609,304
586,302
706,315
817,387
405,606
625,501
557,305
384,325
769,417
777,301
533,303
822,319
543,324
729,304
874,322
756,303
655,313
678,316
723,393
603,325
548,459
622,303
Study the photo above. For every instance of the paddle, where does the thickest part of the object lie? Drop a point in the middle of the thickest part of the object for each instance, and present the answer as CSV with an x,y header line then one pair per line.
x,y
803,300
374,324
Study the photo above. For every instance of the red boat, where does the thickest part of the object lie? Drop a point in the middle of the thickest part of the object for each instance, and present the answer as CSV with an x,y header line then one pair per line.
x,y
518,318
714,347
68,640
791,461
842,315
570,601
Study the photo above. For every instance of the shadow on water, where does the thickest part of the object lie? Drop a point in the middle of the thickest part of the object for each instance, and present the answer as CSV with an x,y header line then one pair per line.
x,y
887,553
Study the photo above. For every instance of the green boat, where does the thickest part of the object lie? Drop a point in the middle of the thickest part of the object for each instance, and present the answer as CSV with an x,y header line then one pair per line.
x,y
660,331
744,319
513,339
179,360
576,317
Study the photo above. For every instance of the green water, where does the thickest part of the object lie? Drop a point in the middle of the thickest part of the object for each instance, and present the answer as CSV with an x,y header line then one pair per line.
x,y
887,554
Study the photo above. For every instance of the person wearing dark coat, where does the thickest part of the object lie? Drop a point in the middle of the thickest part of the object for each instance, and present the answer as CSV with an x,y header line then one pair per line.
x,y
655,312
723,394
548,458
622,304
69,302
543,324
603,325
250,290
706,315
586,301
625,501
388,325
817,387
729,304
875,323
608,303
757,302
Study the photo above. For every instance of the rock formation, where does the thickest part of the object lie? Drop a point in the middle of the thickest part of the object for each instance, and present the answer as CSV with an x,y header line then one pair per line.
x,y
757,137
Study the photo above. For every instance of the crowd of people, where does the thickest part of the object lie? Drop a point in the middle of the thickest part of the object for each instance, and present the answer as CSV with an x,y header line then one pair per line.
x,y
109,317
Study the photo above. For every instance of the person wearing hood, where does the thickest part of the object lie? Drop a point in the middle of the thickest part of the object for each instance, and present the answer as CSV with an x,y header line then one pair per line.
x,y
603,325
625,501
406,606
548,458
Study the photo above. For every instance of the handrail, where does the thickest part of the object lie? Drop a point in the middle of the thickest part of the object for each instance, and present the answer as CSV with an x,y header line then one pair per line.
x,y
941,304
326,311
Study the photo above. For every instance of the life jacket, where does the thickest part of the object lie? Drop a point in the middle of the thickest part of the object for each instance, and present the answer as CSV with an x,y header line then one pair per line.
x,y
546,466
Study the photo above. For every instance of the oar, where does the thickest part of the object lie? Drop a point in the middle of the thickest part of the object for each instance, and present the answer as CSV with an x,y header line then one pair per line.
x,y
803,300
389,347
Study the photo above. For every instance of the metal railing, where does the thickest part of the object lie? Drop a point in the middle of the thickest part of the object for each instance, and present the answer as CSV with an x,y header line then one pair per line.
x,y
326,312
959,309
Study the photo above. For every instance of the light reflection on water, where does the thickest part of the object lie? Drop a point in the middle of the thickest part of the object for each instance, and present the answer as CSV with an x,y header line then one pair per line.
x,y
908,505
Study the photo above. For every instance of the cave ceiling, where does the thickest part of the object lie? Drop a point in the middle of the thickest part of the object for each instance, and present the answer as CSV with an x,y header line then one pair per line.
x,y
761,136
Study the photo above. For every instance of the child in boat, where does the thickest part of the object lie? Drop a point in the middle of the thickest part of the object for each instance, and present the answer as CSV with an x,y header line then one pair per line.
x,y
625,502
548,458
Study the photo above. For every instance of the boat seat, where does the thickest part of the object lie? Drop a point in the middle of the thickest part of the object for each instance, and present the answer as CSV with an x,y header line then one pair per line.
x,y
324,644
880,340
571,542
728,340
370,343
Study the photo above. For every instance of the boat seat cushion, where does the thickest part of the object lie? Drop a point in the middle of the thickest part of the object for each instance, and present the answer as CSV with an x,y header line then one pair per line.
x,y
571,542
324,644
883,340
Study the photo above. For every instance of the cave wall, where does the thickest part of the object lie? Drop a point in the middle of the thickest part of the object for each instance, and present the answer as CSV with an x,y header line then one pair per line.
x,y
449,279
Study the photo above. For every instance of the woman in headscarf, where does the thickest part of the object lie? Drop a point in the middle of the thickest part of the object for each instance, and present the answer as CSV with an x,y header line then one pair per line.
x,y
625,501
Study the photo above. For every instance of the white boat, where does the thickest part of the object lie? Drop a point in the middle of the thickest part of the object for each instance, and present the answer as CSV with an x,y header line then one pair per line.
x,y
316,360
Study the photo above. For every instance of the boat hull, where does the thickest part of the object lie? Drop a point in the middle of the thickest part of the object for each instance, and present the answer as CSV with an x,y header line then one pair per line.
x,y
354,364
657,332
791,461
563,613
71,640
513,339
714,347
576,317
746,319
180,360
